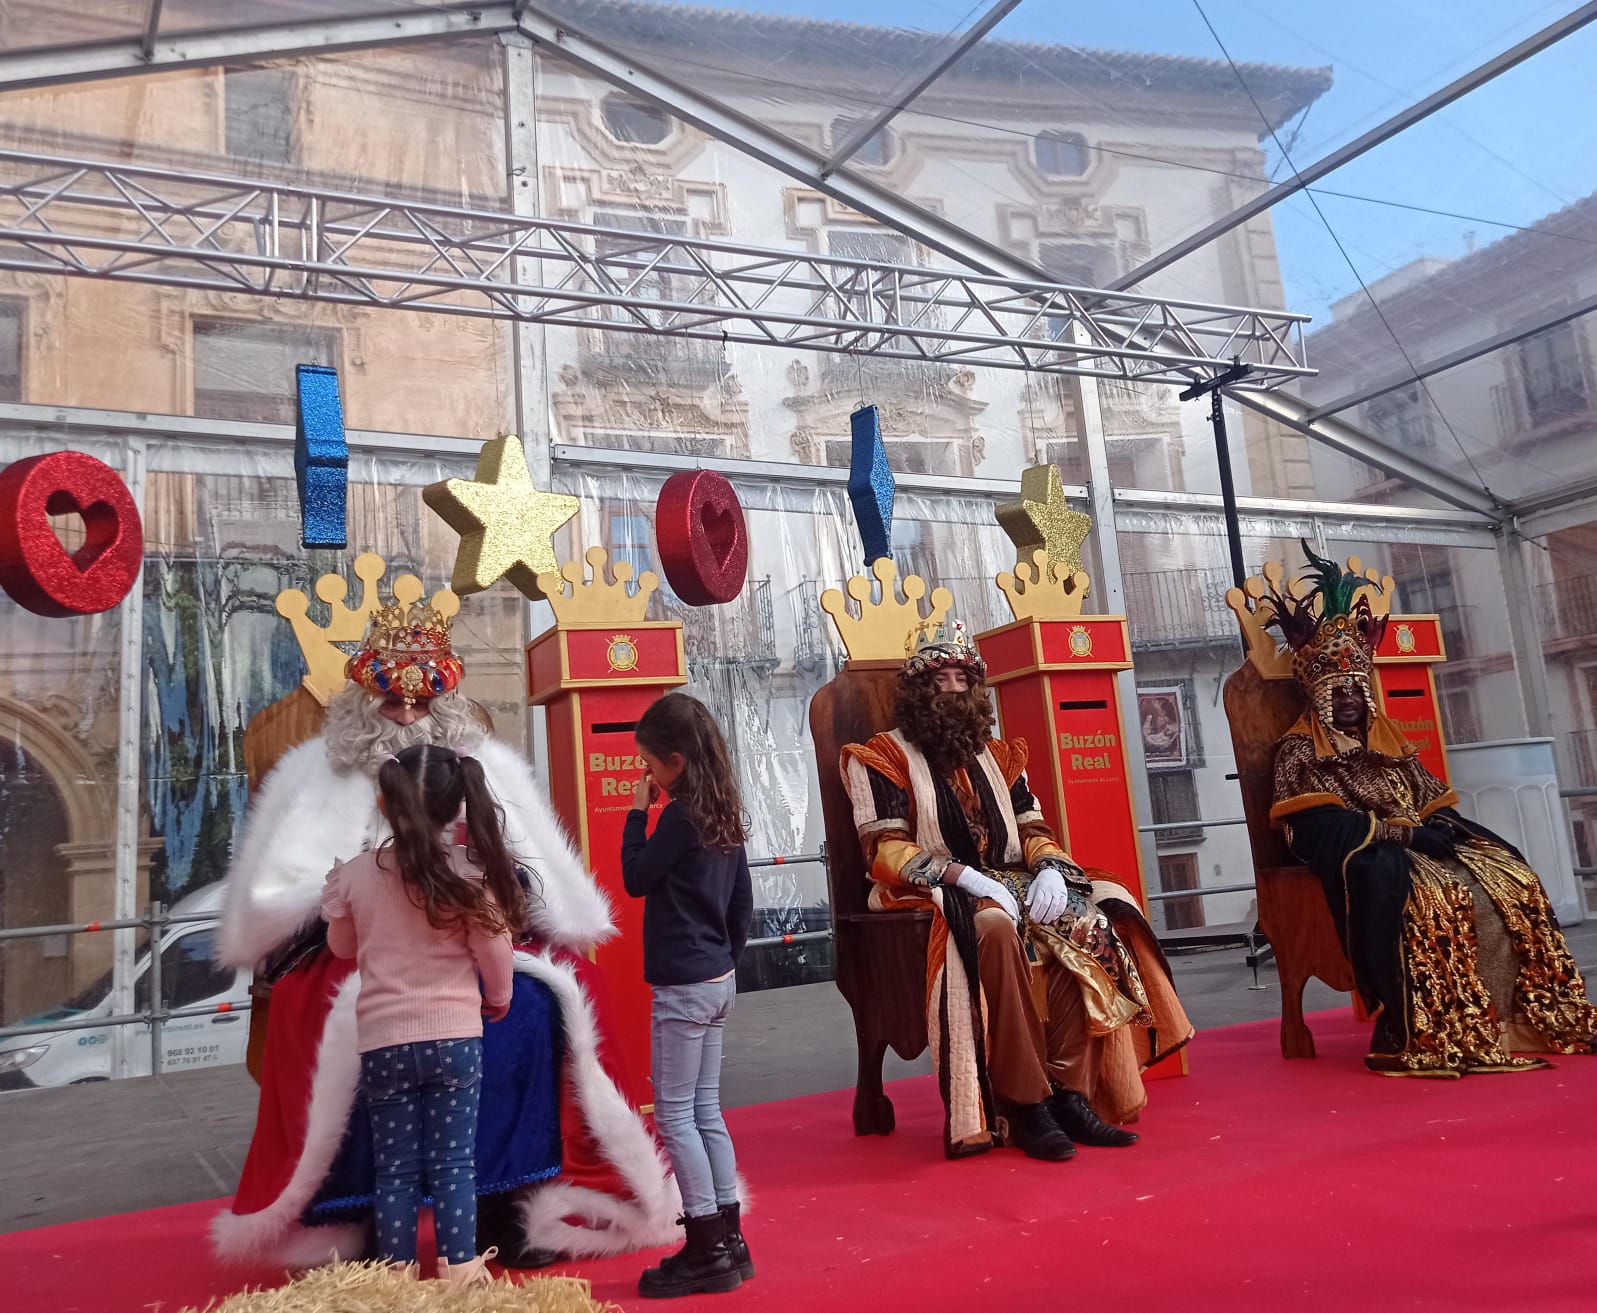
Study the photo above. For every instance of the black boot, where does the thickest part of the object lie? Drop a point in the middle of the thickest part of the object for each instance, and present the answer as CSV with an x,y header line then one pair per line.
x,y
1073,1112
1033,1129
499,1226
732,1229
703,1266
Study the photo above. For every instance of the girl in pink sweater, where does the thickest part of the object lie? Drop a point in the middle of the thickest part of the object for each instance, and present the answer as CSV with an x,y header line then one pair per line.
x,y
429,924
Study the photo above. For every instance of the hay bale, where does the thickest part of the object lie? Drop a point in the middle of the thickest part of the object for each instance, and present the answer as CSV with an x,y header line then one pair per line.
x,y
376,1288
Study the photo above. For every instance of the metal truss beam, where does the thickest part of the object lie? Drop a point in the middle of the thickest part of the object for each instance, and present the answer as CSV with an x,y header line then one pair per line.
x,y
1403,377
762,143
931,230
863,132
128,223
151,52
1399,122
1340,436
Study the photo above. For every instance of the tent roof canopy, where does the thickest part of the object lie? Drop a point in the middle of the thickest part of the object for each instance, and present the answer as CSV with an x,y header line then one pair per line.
x,y
1428,191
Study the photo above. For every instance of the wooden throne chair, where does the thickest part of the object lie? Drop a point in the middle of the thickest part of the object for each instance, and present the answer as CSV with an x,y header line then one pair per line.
x,y
881,956
1262,702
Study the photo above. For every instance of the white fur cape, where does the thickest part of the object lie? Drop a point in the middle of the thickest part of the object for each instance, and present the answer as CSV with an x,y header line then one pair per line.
x,y
307,817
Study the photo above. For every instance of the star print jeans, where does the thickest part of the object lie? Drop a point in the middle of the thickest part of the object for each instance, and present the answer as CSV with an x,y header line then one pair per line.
x,y
423,1104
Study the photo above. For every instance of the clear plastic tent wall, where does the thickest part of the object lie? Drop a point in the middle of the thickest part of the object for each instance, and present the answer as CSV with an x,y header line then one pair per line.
x,y
1448,271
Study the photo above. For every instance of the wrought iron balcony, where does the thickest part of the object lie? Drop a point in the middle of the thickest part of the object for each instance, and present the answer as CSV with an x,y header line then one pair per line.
x,y
1179,608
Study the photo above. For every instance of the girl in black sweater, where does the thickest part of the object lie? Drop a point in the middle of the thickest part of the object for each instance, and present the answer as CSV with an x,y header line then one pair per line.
x,y
693,876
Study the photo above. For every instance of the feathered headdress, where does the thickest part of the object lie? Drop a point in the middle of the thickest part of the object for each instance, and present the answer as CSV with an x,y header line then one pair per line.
x,y
1333,635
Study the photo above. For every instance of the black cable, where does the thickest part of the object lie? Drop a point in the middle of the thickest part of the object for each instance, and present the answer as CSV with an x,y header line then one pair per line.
x,y
1353,268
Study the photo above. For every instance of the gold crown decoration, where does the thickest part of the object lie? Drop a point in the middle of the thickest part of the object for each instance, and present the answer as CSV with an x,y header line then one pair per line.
x,y
1044,589
326,663
596,600
882,629
1254,609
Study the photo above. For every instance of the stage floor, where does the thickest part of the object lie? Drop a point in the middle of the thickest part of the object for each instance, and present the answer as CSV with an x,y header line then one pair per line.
x,y
1259,1184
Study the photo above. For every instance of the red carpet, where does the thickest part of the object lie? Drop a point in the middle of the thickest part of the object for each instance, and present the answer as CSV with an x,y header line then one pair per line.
x,y
1260,1185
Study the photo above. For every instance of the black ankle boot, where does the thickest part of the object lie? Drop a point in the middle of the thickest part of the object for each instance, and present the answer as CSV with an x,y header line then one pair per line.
x,y
1032,1128
499,1227
1072,1111
732,1229
703,1266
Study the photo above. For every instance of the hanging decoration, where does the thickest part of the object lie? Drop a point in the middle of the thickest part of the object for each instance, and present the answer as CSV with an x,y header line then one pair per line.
x,y
870,484
703,537
506,525
35,569
1043,521
321,458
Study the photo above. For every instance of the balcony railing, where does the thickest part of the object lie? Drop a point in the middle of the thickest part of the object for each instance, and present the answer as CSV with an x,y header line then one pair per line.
x,y
1569,607
1577,752
1168,608
741,633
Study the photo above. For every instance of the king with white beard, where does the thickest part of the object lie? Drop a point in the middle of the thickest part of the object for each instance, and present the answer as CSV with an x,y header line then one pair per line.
x,y
586,1177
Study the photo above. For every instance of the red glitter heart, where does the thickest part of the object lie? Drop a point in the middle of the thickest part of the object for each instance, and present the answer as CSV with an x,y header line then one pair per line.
x,y
35,568
703,537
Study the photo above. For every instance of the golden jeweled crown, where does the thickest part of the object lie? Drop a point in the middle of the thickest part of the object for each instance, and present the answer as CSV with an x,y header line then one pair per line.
x,y
326,661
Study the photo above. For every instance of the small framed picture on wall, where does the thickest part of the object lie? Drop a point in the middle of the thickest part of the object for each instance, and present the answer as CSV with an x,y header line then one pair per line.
x,y
1160,712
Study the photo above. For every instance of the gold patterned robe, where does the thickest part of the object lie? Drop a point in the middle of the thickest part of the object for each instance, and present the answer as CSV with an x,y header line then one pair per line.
x,y
1461,957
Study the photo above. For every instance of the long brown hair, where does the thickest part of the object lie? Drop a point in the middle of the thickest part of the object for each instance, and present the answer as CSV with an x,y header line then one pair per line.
x,y
678,723
423,789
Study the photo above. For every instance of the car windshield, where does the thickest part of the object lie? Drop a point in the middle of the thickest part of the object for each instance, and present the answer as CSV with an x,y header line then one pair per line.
x,y
90,996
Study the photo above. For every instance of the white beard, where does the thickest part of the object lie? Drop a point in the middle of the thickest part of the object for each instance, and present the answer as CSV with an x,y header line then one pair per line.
x,y
360,738
312,813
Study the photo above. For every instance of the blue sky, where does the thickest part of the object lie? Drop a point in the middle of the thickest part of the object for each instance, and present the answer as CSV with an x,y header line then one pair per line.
x,y
1509,153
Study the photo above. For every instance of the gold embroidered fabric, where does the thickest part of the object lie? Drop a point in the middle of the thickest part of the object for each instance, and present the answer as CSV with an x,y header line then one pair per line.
x,y
1451,1023
1549,994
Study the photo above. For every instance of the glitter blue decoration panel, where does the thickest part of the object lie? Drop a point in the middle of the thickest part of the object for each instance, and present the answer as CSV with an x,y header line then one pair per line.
x,y
870,484
321,458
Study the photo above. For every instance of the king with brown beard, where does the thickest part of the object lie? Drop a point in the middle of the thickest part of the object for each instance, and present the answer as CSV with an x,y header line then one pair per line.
x,y
1047,993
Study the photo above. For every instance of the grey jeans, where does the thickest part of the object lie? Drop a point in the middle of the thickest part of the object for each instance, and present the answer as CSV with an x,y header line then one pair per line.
x,y
687,1026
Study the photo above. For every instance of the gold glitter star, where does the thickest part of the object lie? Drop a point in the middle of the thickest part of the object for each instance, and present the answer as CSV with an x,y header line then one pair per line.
x,y
506,525
1042,518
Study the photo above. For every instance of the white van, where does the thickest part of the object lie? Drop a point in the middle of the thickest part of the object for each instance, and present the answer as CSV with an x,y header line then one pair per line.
x,y
189,978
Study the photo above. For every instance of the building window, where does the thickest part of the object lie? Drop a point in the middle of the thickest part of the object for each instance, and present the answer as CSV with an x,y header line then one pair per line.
x,y
258,109
875,152
1175,799
245,371
635,122
1552,374
1078,264
1061,154
1180,871
1460,714
1404,420
11,318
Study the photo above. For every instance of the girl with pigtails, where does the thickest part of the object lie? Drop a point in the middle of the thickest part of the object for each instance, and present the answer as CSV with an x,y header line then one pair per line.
x,y
429,922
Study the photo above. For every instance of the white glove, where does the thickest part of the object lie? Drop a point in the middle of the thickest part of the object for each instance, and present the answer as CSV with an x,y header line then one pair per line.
x,y
1047,899
978,885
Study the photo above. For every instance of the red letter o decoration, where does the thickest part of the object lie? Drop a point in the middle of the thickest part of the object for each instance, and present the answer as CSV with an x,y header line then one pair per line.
x,y
35,569
704,540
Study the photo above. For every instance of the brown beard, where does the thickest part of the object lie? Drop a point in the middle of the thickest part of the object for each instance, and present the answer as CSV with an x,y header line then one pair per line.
x,y
948,728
